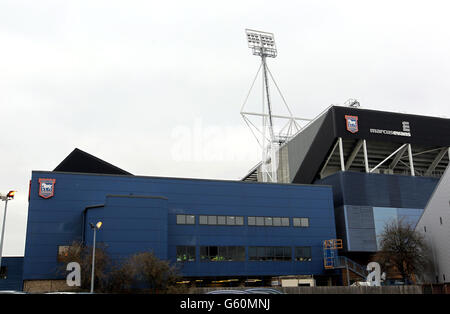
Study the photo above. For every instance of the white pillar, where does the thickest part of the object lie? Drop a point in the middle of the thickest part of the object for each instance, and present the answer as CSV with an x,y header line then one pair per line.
x,y
366,159
341,154
411,162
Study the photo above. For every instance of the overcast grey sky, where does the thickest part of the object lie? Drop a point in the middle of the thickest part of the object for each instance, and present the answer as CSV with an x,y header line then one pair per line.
x,y
136,82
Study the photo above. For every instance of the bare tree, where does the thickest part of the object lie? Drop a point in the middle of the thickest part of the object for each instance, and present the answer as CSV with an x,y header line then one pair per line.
x,y
82,254
121,278
158,275
403,250
137,273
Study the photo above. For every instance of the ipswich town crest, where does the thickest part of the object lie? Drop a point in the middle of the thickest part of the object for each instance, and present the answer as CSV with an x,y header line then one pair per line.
x,y
46,188
352,123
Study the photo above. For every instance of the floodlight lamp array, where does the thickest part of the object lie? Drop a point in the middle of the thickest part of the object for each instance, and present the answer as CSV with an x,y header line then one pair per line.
x,y
262,43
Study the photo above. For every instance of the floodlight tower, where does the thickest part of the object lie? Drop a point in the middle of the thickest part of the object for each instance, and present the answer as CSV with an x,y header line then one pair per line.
x,y
263,45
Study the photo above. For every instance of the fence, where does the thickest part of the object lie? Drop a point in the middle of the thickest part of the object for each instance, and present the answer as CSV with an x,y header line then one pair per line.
x,y
330,290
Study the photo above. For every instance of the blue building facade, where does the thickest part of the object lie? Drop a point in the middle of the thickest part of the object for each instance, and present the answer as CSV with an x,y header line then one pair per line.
x,y
11,274
211,228
365,203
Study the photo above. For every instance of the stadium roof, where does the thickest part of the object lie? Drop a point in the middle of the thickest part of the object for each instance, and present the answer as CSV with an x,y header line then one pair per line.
x,y
80,161
314,152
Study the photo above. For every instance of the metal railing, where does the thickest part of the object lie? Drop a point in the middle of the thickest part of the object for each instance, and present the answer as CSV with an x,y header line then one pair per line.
x,y
345,262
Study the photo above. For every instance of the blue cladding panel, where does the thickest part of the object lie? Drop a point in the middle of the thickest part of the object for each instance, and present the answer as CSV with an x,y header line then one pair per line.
x,y
360,196
130,225
380,190
136,224
13,280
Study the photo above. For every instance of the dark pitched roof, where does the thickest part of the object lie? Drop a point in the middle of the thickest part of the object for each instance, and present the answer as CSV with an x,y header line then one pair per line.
x,y
80,161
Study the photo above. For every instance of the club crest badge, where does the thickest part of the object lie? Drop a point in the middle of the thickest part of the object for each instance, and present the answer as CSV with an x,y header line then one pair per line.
x,y
46,188
352,123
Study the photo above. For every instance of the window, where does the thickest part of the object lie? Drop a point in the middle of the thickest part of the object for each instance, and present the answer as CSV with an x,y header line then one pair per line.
x,y
277,221
303,253
222,253
269,253
190,219
185,220
260,221
440,220
221,220
3,272
203,220
285,222
212,220
268,221
63,252
301,222
185,253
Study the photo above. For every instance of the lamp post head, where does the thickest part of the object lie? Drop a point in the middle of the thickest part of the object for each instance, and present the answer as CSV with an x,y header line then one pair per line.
x,y
97,226
8,196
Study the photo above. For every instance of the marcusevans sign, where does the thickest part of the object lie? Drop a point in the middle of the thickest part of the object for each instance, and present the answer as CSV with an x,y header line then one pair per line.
x,y
405,132
390,132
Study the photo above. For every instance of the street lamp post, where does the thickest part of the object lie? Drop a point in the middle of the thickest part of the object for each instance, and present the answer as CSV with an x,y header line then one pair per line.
x,y
5,198
95,228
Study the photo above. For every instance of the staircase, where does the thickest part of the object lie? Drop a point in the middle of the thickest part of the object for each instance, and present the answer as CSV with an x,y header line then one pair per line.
x,y
345,262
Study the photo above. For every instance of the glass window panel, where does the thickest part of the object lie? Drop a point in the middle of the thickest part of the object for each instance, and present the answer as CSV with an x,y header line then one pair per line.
x,y
279,253
268,221
221,220
303,253
180,252
181,219
191,253
240,221
285,222
261,253
381,217
213,253
287,253
296,222
204,253
251,221
185,253
252,253
3,272
277,221
222,253
212,220
190,219
203,220
260,221
231,220
305,222
240,253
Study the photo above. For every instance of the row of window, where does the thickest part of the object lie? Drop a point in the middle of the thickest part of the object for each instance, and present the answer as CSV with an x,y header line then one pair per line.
x,y
221,220
213,220
237,253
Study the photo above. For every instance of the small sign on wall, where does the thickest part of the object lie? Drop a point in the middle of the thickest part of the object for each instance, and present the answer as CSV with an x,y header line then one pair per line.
x,y
46,187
